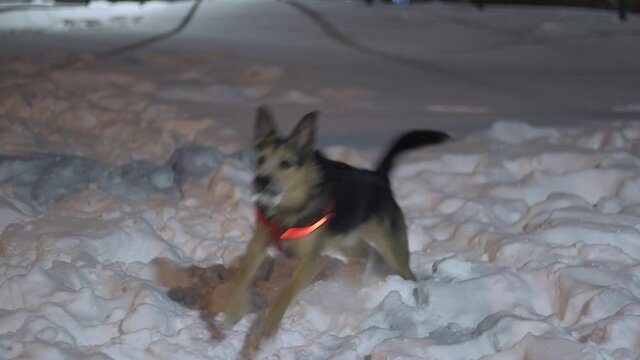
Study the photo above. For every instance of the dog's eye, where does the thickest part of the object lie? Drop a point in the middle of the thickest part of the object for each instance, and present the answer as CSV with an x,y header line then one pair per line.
x,y
286,164
260,160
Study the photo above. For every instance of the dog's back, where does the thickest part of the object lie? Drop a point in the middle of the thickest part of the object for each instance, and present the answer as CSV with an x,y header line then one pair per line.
x,y
360,194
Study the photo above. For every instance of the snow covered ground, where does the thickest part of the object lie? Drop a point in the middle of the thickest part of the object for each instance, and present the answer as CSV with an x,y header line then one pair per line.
x,y
526,238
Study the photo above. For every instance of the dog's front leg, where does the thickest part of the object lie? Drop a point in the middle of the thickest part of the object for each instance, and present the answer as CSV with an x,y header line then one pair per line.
x,y
308,256
305,271
249,263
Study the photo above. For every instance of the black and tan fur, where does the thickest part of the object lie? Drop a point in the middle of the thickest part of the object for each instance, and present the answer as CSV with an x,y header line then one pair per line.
x,y
294,186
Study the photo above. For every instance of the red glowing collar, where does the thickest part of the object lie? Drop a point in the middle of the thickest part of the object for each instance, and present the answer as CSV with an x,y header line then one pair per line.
x,y
278,233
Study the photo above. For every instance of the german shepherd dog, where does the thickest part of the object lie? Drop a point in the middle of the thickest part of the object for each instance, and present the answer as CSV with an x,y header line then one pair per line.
x,y
306,202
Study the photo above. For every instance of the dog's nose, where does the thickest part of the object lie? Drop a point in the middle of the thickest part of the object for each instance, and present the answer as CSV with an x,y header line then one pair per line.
x,y
261,182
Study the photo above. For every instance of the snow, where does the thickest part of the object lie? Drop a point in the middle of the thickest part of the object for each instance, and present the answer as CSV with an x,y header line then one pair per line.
x,y
121,179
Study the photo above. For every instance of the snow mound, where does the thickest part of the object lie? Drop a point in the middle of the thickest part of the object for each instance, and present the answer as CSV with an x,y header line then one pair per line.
x,y
42,179
528,244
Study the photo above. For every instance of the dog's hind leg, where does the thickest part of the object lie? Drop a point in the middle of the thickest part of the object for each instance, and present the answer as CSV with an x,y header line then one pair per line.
x,y
389,238
249,263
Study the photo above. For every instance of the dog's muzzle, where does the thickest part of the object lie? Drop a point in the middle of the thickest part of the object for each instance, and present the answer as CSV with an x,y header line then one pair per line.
x,y
260,183
267,194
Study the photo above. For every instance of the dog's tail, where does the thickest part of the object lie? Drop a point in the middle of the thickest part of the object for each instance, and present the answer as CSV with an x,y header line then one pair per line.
x,y
410,140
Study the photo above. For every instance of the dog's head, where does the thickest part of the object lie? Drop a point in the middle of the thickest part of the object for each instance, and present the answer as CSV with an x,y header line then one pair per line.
x,y
286,170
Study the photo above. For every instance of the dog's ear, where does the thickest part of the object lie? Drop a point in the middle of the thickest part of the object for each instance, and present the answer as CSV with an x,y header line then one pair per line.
x,y
303,135
265,127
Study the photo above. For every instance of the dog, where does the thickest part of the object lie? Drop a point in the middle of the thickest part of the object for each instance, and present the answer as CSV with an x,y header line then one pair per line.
x,y
306,202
